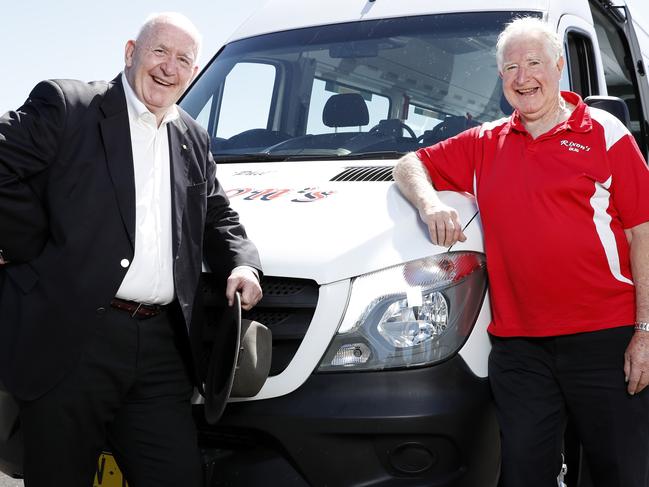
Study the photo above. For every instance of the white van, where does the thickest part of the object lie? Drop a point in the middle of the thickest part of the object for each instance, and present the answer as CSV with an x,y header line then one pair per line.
x,y
379,371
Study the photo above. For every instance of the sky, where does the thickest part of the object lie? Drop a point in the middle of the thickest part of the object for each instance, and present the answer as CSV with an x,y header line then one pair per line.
x,y
84,39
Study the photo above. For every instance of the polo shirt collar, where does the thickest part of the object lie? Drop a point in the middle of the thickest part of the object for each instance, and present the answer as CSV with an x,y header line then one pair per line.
x,y
579,120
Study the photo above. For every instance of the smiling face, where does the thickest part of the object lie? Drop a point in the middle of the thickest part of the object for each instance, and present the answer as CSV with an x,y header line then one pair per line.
x,y
160,65
531,78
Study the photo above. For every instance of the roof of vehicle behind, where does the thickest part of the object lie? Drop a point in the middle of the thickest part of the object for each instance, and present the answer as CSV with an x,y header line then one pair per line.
x,y
280,15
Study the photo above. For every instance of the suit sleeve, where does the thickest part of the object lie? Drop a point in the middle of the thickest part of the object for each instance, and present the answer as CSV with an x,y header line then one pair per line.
x,y
226,244
28,144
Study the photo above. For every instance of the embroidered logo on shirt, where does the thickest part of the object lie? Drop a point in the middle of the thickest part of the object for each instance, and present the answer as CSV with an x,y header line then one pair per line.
x,y
574,146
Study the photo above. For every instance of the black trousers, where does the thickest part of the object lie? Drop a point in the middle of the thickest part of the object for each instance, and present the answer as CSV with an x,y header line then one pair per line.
x,y
537,382
131,390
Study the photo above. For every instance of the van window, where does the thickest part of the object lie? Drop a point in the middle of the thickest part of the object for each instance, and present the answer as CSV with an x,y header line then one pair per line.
x,y
580,64
247,98
374,88
203,117
378,106
422,119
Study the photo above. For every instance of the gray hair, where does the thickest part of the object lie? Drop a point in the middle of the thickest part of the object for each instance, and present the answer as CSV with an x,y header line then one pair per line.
x,y
529,27
173,18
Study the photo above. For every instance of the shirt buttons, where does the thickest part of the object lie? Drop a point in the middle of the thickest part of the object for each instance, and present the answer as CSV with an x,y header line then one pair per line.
x,y
101,310
124,263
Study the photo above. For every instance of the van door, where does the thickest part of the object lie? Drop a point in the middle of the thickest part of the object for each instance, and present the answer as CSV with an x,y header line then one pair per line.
x,y
624,70
582,72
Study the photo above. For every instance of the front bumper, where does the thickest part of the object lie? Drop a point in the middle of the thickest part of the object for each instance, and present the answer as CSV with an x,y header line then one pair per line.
x,y
419,427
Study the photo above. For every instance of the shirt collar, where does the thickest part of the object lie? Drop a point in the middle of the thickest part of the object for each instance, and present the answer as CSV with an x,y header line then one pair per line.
x,y
138,111
579,120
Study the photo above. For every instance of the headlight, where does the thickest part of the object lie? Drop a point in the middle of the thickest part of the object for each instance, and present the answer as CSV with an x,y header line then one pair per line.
x,y
413,314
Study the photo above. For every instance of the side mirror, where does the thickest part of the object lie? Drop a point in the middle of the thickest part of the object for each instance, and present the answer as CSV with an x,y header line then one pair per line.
x,y
611,104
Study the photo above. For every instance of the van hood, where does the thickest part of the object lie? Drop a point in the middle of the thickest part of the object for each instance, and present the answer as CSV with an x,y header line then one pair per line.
x,y
331,220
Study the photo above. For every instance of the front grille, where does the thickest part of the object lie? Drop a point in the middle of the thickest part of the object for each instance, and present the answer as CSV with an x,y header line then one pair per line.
x,y
365,173
286,308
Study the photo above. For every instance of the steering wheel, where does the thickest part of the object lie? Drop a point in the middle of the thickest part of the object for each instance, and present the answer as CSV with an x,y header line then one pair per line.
x,y
392,127
450,126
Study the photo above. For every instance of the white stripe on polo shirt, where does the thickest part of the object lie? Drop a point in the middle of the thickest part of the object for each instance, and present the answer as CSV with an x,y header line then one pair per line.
x,y
600,202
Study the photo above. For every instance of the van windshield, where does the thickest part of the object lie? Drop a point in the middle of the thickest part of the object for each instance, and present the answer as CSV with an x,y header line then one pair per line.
x,y
374,89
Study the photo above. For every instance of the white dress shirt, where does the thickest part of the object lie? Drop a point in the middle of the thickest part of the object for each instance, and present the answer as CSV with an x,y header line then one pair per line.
x,y
149,278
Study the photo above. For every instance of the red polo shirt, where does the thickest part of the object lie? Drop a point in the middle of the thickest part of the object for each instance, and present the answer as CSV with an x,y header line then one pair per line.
x,y
553,210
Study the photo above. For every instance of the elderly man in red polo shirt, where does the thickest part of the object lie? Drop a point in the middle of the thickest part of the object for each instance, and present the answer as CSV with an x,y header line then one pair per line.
x,y
563,193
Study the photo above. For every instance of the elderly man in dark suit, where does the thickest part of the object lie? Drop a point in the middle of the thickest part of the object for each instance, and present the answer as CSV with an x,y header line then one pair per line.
x,y
108,202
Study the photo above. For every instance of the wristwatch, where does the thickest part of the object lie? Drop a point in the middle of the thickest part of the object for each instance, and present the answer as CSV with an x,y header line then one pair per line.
x,y
641,326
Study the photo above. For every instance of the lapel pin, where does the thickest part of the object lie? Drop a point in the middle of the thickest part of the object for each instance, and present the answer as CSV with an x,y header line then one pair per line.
x,y
184,147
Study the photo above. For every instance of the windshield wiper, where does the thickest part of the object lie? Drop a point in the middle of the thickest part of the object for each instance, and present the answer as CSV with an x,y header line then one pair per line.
x,y
384,154
270,157
351,155
251,157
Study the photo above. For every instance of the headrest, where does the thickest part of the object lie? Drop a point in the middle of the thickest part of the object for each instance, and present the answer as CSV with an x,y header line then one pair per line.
x,y
345,110
613,105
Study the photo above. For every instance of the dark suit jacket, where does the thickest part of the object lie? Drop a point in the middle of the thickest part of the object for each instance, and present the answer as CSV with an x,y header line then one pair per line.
x,y
67,186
